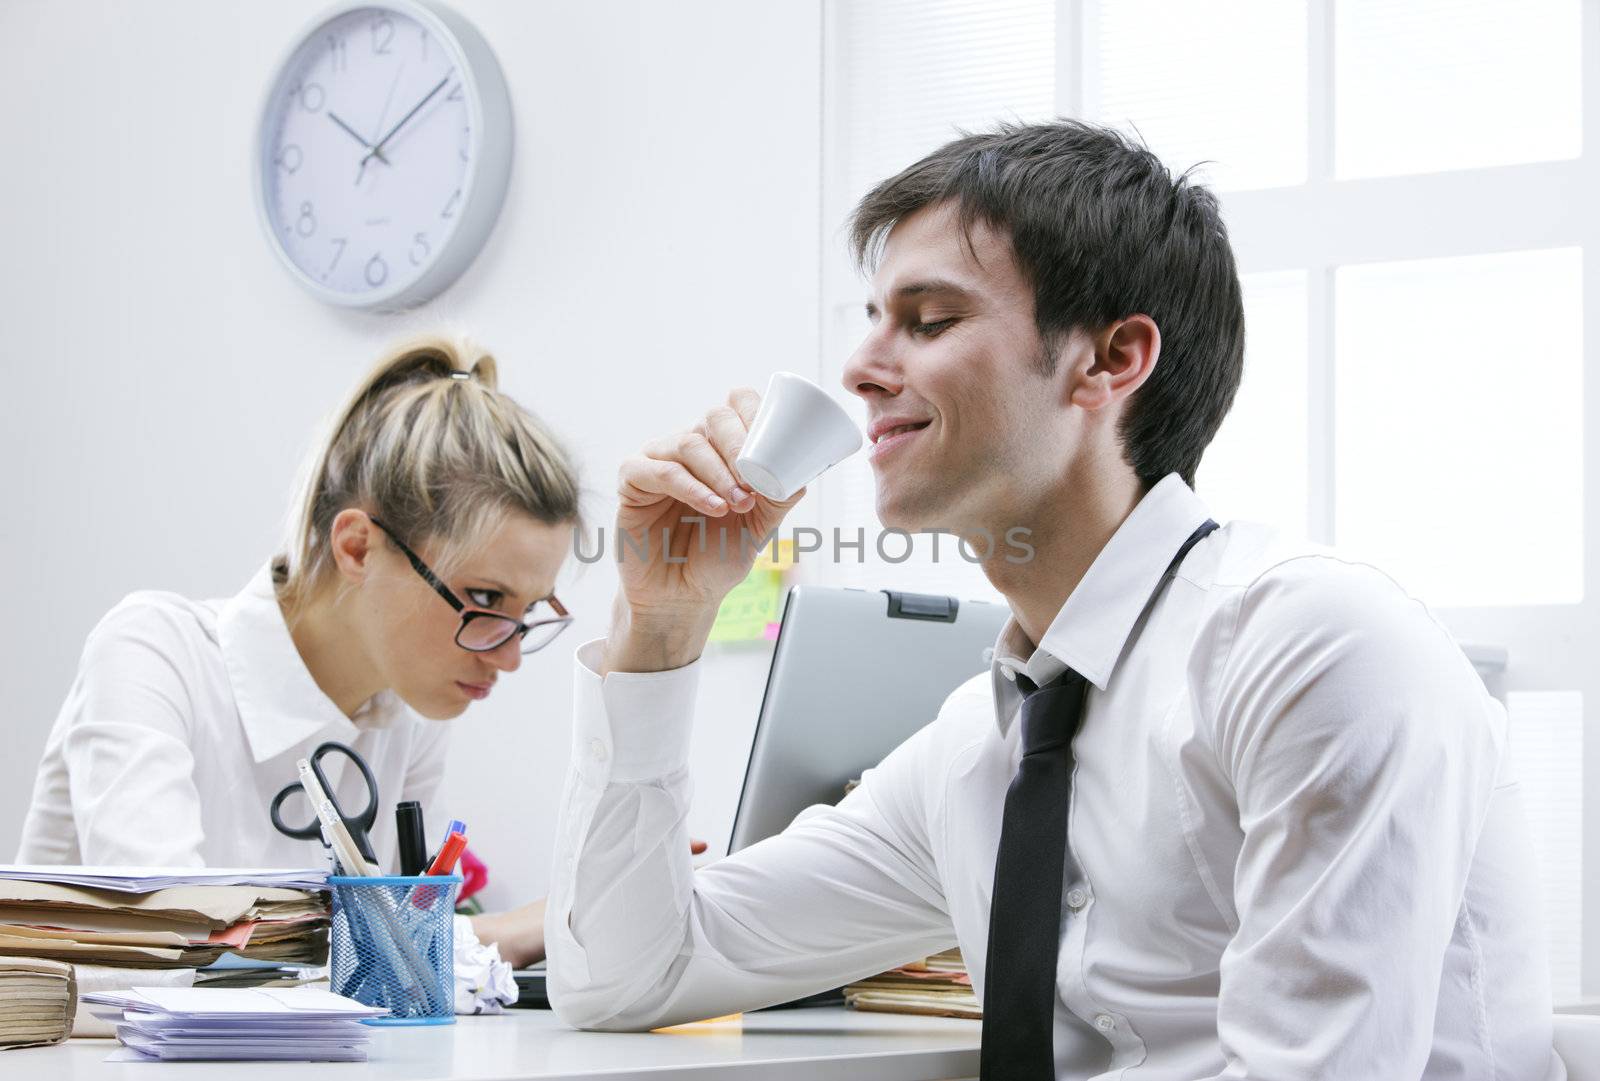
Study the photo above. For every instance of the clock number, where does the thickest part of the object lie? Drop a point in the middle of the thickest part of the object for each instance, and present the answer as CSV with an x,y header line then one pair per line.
x,y
382,35
338,250
340,61
306,223
424,34
311,96
466,140
450,207
455,93
419,249
289,159
377,271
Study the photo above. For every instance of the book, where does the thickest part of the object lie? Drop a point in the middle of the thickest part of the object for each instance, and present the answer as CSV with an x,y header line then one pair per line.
x,y
38,998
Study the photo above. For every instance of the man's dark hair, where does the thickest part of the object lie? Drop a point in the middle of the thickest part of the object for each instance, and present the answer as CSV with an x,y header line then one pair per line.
x,y
1103,231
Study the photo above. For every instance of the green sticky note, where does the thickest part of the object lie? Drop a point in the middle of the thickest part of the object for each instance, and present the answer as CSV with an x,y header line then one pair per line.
x,y
749,607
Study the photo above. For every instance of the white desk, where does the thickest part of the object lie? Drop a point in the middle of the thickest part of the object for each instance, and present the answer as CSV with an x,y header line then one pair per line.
x,y
826,1044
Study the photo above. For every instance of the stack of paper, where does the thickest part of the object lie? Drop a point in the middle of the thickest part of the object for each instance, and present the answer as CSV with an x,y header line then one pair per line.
x,y
43,914
37,1001
230,971
939,986
145,879
298,1024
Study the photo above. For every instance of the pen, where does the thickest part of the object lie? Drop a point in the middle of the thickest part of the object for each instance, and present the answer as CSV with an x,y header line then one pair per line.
x,y
333,828
344,847
445,861
456,826
409,829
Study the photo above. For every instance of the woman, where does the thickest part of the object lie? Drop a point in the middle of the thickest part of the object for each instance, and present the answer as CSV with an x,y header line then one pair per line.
x,y
420,567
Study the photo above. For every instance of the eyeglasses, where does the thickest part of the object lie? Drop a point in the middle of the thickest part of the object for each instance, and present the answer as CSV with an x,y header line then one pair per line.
x,y
482,631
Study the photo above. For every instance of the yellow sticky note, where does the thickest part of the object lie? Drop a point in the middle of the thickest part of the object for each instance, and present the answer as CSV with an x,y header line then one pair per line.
x,y
732,1018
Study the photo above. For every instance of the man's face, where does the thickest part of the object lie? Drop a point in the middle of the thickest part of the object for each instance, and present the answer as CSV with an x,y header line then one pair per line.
x,y
965,427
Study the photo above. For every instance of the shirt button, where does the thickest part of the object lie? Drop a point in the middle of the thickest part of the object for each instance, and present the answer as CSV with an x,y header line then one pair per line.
x,y
1104,1022
597,750
1009,672
1076,899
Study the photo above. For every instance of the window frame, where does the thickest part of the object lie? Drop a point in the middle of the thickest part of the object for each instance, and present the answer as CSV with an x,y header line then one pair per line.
x,y
1317,227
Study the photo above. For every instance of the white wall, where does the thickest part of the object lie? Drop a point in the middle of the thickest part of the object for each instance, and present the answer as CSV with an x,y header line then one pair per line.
x,y
163,376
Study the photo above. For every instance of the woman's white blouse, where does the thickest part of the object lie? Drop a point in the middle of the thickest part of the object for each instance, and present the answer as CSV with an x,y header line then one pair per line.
x,y
186,718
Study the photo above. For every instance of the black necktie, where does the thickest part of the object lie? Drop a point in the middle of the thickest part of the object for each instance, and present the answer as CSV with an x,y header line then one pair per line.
x,y
1019,992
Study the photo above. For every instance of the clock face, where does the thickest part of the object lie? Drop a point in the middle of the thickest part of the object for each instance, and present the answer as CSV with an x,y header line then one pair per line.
x,y
367,153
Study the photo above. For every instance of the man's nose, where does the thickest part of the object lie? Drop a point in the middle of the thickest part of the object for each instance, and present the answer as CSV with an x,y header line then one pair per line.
x,y
873,369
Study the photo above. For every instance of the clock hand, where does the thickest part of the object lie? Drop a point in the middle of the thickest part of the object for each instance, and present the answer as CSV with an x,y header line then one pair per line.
x,y
377,149
388,100
355,135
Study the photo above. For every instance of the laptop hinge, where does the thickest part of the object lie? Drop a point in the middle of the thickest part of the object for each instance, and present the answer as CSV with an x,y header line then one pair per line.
x,y
922,606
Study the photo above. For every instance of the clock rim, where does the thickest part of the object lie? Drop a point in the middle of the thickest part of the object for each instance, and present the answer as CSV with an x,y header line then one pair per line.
x,y
483,188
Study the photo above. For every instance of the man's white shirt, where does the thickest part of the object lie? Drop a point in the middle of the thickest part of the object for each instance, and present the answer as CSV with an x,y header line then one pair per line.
x,y
1295,848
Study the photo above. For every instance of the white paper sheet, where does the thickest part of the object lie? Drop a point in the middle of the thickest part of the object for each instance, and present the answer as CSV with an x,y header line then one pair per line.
x,y
145,879
243,1003
296,1024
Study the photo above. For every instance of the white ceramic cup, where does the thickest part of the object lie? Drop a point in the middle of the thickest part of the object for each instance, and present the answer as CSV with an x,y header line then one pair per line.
x,y
799,433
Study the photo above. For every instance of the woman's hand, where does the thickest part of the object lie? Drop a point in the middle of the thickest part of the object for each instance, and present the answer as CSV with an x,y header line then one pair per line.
x,y
519,933
687,533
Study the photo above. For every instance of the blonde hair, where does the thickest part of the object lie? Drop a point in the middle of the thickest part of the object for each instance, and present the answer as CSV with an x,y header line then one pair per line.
x,y
431,447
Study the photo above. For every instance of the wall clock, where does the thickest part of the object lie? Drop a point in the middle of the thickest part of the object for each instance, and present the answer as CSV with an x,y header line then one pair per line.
x,y
383,151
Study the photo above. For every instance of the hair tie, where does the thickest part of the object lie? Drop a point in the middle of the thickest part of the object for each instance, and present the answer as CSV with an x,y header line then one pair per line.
x,y
460,375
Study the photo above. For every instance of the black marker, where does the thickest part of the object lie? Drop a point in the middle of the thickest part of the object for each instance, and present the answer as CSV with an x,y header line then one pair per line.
x,y
408,827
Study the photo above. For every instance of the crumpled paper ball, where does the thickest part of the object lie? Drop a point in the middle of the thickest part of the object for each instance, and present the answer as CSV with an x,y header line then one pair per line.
x,y
484,983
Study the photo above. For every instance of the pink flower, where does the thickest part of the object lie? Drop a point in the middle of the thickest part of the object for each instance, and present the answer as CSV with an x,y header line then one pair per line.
x,y
474,874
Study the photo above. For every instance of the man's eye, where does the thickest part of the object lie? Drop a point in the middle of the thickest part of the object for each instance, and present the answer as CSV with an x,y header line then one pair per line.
x,y
484,598
931,330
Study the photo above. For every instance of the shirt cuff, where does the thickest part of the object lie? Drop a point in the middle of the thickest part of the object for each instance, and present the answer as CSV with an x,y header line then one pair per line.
x,y
630,727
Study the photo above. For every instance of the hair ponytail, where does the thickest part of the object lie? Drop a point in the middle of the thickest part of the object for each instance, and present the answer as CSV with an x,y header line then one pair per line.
x,y
429,444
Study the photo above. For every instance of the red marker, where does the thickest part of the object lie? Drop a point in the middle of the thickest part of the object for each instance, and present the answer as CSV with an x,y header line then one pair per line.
x,y
449,852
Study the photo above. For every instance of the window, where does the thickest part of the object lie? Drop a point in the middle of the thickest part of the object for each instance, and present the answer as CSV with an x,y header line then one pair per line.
x,y
1491,83
1202,83
1437,421
1269,411
1410,199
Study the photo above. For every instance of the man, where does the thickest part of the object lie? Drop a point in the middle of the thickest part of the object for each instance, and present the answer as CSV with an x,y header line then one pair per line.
x,y
1224,808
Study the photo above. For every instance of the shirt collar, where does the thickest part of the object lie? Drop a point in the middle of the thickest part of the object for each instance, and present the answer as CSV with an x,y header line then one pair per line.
x,y
1093,626
280,705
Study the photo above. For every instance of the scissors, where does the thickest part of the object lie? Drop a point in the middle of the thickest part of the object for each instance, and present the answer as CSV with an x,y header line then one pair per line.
x,y
359,825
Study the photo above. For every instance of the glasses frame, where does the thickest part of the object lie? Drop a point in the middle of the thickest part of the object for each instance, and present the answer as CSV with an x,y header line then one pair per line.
x,y
469,613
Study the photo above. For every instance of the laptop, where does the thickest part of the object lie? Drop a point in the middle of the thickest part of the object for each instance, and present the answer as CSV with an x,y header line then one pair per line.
x,y
855,674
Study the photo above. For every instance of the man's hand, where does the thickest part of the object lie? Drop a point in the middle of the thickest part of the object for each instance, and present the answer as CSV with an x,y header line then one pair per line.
x,y
687,533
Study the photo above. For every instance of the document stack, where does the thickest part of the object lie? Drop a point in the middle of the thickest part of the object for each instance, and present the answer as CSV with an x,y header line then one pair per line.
x,y
176,1024
939,986
37,1002
162,917
117,927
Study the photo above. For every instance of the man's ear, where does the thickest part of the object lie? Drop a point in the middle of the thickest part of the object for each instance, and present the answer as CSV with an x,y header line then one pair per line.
x,y
351,540
1125,353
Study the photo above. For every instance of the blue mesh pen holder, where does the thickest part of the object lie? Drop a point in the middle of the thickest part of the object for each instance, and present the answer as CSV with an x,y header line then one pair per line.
x,y
393,945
